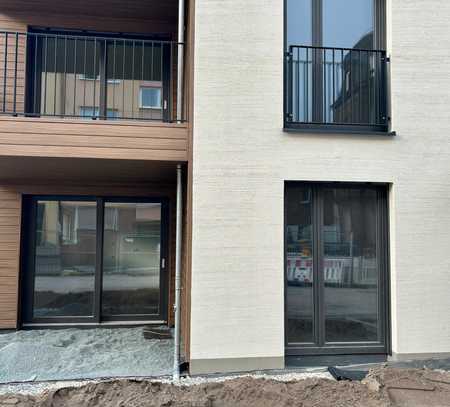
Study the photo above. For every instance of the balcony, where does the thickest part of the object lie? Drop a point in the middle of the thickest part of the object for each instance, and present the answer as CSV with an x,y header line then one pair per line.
x,y
71,74
336,89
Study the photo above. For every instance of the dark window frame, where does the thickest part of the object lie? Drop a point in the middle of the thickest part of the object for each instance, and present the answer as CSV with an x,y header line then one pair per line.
x,y
27,264
383,347
379,22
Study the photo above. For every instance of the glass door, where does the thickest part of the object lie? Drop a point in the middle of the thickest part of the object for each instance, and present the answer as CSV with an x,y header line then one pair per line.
x,y
60,275
94,259
336,269
131,259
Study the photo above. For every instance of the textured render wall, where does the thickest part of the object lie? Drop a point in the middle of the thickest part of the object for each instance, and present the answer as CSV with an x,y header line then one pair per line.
x,y
242,158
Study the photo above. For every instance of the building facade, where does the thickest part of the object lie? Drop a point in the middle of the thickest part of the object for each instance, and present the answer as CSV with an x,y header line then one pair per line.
x,y
312,140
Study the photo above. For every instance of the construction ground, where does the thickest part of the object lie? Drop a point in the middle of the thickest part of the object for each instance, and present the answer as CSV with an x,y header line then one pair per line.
x,y
120,368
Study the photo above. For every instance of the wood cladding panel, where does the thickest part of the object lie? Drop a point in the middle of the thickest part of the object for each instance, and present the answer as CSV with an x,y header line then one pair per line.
x,y
10,208
92,139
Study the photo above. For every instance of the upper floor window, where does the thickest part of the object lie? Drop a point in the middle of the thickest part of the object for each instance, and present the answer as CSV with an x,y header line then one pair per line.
x,y
335,75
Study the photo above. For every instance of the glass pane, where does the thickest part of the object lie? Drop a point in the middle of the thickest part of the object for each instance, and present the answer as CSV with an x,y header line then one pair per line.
x,y
299,265
70,74
350,265
351,81
65,259
131,259
151,98
299,22
131,65
348,24
349,77
299,34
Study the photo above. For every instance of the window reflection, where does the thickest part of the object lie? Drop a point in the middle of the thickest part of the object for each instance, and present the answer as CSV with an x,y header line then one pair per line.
x,y
350,265
299,265
64,259
131,258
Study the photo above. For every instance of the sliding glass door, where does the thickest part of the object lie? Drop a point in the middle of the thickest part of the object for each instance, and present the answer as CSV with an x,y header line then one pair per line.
x,y
94,259
336,269
131,259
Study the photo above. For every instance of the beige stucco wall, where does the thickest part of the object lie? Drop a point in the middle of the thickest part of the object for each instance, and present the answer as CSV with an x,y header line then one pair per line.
x,y
242,158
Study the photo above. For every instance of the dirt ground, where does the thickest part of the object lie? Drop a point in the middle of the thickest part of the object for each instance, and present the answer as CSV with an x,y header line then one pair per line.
x,y
382,387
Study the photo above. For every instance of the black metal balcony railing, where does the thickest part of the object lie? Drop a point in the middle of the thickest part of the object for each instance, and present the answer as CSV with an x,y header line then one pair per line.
x,y
53,74
336,88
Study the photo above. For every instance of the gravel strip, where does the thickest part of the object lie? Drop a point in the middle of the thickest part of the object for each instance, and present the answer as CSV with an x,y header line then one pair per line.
x,y
38,388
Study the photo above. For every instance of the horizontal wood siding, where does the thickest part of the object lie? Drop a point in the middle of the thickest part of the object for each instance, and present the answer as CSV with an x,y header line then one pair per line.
x,y
10,213
92,139
10,230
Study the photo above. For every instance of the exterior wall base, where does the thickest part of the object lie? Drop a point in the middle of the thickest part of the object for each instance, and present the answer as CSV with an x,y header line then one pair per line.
x,y
402,357
230,365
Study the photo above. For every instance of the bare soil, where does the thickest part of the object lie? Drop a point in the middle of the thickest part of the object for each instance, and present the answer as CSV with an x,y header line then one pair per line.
x,y
383,387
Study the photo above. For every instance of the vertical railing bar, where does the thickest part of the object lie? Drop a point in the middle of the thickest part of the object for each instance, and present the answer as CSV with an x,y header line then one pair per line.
x,y
152,72
5,71
65,77
162,77
132,79
142,73
305,101
377,99
103,85
142,78
84,75
360,120
56,70
45,78
151,60
75,75
330,91
296,68
307,84
171,115
114,77
35,74
324,86
386,87
342,115
15,73
95,81
352,96
334,83
369,112
123,80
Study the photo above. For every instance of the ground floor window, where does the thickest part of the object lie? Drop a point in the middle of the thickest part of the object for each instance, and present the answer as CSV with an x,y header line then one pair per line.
x,y
336,243
91,259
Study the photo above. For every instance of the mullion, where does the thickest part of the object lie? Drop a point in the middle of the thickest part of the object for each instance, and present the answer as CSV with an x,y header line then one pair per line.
x,y
317,292
317,40
320,274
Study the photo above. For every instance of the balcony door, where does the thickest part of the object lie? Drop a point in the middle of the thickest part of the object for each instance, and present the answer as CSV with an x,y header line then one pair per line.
x,y
336,269
100,75
335,62
92,260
